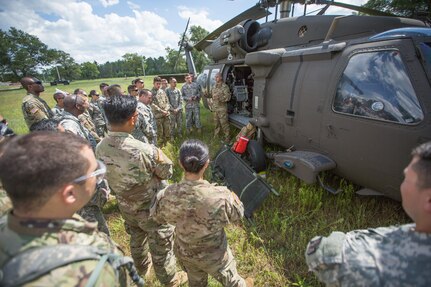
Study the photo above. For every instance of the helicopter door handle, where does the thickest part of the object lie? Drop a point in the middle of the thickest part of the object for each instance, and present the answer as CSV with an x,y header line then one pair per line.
x,y
289,117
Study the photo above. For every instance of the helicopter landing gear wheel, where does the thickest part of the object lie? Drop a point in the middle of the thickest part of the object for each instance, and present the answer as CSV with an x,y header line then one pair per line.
x,y
256,156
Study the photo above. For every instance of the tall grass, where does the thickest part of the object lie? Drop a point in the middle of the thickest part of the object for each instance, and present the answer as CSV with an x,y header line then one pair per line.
x,y
271,247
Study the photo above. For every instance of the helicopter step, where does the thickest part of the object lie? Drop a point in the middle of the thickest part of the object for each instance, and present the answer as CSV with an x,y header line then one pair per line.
x,y
305,165
239,177
238,121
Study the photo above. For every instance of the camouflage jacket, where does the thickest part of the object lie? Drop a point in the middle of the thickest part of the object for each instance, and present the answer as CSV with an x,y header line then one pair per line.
x,y
72,124
18,235
385,256
160,103
57,111
87,122
191,94
174,96
5,203
35,109
144,129
134,170
200,211
96,114
220,94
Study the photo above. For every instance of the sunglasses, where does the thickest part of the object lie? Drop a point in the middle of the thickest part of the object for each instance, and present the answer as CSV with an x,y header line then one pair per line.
x,y
99,173
37,83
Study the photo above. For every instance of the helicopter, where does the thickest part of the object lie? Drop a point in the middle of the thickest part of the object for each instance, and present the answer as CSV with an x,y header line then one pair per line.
x,y
345,94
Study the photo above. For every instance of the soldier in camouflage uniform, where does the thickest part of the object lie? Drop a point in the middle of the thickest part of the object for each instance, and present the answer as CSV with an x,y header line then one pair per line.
x,y
74,106
33,107
59,107
191,94
385,256
160,106
96,112
5,203
174,96
146,126
220,94
43,209
85,118
200,211
135,170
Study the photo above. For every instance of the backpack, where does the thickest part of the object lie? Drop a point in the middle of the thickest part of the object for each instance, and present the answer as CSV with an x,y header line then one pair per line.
x,y
35,262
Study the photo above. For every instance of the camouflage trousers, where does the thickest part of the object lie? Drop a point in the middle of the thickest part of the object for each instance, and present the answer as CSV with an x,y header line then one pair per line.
x,y
224,271
163,130
146,235
193,118
93,213
221,123
176,124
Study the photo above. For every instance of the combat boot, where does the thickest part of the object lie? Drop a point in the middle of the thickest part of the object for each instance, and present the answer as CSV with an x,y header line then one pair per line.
x,y
249,282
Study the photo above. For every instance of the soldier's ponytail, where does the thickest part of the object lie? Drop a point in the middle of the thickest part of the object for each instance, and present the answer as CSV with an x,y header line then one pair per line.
x,y
193,155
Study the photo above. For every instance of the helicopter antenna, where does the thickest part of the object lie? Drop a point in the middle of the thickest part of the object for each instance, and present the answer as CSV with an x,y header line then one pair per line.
x,y
181,44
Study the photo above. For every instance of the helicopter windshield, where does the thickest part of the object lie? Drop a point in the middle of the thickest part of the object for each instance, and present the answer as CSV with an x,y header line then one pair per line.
x,y
376,85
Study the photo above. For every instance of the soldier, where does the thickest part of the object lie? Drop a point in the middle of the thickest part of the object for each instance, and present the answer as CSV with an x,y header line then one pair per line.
x,y
114,90
96,114
160,106
164,84
133,91
135,171
74,106
191,94
389,256
85,117
139,83
220,94
33,107
59,107
103,90
174,96
146,126
52,125
42,242
200,211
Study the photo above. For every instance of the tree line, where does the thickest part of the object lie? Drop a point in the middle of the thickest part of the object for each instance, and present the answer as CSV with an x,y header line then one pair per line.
x,y
23,54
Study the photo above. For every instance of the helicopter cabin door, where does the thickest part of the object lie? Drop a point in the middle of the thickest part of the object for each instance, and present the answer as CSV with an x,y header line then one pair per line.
x,y
377,110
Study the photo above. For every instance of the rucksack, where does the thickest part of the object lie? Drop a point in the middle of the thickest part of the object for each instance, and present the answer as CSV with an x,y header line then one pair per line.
x,y
35,262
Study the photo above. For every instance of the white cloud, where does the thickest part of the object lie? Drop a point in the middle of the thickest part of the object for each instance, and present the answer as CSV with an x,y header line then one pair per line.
x,y
133,5
87,36
198,18
106,3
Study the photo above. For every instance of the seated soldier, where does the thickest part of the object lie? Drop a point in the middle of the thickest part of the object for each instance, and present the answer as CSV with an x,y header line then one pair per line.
x,y
42,242
200,211
384,256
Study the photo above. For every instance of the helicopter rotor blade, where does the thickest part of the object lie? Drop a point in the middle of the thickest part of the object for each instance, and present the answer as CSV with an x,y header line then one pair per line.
x,y
255,12
181,44
361,9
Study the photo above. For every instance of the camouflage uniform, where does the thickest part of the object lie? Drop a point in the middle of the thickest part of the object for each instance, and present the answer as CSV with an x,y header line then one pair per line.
x,y
200,211
57,111
92,211
144,130
18,234
191,94
134,170
87,122
159,105
98,117
5,203
220,94
35,109
385,256
174,96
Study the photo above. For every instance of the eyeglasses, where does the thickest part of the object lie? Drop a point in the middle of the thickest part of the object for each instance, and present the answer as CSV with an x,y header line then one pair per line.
x,y
99,173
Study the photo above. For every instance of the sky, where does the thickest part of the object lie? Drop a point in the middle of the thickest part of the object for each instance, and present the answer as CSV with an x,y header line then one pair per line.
x,y
104,30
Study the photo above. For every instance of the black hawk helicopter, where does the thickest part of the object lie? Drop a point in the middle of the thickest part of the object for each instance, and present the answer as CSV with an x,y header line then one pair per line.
x,y
347,94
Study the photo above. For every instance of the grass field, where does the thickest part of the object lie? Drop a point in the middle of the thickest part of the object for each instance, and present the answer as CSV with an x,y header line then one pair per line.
x,y
271,249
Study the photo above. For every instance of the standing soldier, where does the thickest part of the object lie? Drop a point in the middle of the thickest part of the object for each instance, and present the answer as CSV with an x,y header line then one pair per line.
x,y
139,83
135,171
96,114
146,124
191,94
33,107
74,106
85,117
200,211
164,84
59,107
43,242
161,107
174,96
220,94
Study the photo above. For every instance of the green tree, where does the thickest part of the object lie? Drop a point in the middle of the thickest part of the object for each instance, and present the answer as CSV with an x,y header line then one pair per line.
x,y
132,64
89,70
22,54
67,67
173,57
197,33
405,8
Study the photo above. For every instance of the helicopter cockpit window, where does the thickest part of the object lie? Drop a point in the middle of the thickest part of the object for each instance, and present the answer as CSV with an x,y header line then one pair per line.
x,y
376,85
